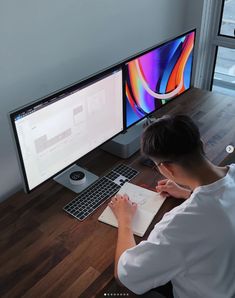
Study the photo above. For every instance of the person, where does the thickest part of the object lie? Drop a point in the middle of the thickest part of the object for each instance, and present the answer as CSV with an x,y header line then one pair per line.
x,y
193,246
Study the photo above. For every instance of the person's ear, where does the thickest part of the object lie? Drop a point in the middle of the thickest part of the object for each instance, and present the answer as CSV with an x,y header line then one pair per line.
x,y
202,145
168,169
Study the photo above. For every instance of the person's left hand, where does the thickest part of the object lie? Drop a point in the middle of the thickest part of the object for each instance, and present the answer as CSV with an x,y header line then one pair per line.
x,y
123,209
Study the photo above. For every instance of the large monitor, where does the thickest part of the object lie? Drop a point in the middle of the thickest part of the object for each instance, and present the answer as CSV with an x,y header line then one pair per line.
x,y
53,133
158,75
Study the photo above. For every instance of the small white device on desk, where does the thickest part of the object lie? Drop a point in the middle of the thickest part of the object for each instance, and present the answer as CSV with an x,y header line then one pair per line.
x,y
148,201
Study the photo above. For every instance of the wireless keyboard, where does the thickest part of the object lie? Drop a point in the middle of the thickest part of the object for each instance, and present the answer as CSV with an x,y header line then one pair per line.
x,y
98,192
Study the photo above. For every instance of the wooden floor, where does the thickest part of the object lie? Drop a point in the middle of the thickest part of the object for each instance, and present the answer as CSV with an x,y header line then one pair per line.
x,y
46,253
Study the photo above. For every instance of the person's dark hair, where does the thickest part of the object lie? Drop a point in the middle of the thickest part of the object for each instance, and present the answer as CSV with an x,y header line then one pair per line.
x,y
173,139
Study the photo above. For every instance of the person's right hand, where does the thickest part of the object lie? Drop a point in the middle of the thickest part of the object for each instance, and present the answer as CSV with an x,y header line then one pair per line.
x,y
168,188
123,209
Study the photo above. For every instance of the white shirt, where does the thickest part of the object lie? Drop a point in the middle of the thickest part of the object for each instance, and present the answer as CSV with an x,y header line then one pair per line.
x,y
193,246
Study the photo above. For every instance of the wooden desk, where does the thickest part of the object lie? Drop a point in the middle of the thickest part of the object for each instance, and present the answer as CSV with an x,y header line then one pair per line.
x,y
46,253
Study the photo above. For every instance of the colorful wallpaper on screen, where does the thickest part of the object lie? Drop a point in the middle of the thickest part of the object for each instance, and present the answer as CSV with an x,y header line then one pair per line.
x,y
158,76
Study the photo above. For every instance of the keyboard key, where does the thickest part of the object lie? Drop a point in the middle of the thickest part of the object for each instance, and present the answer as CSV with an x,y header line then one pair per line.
x,y
97,193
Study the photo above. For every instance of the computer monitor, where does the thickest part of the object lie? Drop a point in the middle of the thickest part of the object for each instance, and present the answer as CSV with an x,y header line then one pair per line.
x,y
53,133
156,76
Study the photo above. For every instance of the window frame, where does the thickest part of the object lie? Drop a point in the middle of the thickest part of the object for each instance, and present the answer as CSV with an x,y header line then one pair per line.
x,y
209,41
220,23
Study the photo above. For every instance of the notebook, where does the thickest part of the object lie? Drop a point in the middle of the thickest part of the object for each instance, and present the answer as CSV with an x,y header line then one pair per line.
x,y
148,201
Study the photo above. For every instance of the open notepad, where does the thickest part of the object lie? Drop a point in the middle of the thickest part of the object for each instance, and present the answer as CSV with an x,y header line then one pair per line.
x,y
149,202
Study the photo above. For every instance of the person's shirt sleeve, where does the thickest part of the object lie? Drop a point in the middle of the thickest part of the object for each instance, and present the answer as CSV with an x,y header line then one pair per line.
x,y
149,264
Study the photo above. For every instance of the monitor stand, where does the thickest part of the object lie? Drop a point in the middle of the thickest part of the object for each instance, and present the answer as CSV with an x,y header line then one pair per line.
x,y
64,179
127,143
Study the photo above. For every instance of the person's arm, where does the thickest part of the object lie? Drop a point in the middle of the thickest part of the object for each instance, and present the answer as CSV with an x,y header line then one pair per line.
x,y
125,241
124,210
167,188
150,263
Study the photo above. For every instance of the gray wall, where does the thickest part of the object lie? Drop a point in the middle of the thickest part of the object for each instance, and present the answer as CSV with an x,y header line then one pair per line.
x,y
46,45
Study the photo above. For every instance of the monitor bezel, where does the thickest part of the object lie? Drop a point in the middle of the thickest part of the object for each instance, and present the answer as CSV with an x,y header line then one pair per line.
x,y
146,52
59,93
79,85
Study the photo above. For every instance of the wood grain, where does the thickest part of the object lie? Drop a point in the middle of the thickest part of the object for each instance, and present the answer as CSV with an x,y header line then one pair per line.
x,y
46,253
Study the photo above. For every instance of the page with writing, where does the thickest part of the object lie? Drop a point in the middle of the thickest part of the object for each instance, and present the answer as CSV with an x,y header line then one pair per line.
x,y
149,202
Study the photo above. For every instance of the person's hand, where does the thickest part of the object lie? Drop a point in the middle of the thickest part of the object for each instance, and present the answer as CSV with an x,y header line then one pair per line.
x,y
123,209
168,188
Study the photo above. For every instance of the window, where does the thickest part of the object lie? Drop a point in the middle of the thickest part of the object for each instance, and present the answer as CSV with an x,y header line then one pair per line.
x,y
227,22
224,74
216,51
